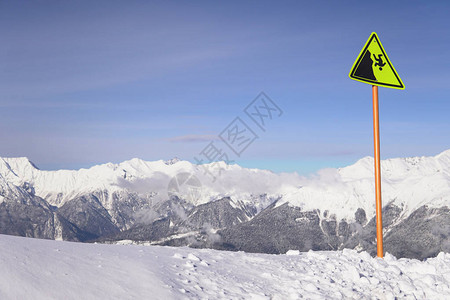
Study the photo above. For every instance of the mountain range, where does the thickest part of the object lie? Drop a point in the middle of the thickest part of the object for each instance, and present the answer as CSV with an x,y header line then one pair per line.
x,y
230,207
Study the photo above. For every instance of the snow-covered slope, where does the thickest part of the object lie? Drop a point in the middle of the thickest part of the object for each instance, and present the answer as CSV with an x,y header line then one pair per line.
x,y
407,182
42,269
143,177
11,192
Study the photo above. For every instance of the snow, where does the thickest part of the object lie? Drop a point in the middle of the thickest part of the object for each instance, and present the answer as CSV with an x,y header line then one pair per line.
x,y
407,182
44,269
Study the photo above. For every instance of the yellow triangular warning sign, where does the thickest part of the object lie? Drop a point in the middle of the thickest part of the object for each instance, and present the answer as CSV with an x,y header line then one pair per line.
x,y
374,67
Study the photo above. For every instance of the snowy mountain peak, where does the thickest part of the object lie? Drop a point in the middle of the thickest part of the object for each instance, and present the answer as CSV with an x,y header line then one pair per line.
x,y
118,201
12,168
409,182
18,163
172,161
444,157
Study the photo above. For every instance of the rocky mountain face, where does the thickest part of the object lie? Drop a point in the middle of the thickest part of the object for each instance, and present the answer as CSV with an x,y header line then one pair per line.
x,y
276,230
243,210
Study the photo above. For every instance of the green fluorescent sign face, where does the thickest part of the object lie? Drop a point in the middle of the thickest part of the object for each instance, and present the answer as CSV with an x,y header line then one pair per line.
x,y
374,67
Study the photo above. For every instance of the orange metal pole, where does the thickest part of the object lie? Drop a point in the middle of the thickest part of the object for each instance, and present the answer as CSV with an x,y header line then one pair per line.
x,y
376,140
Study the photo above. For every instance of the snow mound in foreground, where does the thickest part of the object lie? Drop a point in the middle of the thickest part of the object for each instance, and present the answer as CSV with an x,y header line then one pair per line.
x,y
44,269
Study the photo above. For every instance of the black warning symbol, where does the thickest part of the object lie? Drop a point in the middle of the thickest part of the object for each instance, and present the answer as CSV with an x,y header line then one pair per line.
x,y
379,62
364,69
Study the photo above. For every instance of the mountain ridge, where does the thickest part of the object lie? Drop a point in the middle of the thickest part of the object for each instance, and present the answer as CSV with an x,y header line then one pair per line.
x,y
137,175
179,204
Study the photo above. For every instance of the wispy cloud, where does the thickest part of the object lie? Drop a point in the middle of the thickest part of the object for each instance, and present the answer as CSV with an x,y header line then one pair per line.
x,y
194,138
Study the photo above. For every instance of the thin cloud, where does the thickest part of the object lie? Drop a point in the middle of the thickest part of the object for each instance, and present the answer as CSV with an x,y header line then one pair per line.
x,y
194,138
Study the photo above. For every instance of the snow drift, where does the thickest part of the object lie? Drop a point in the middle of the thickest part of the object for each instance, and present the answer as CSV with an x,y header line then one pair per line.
x,y
42,269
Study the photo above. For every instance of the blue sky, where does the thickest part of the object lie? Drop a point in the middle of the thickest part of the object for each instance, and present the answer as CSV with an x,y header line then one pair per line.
x,y
89,82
